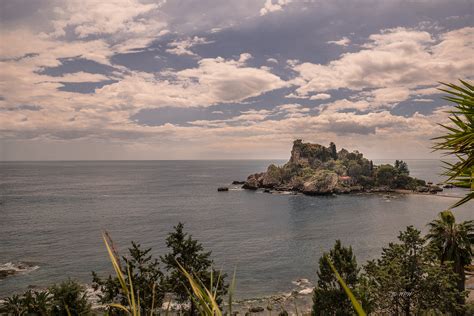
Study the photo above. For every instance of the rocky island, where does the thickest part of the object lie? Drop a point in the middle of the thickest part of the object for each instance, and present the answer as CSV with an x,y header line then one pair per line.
x,y
314,169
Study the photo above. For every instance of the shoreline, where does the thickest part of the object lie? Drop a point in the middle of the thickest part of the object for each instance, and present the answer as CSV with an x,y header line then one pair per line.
x,y
386,192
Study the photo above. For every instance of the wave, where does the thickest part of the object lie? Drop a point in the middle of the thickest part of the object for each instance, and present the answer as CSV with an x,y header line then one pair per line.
x,y
10,268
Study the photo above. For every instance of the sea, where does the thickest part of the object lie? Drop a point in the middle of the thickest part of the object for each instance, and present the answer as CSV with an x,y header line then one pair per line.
x,y
52,215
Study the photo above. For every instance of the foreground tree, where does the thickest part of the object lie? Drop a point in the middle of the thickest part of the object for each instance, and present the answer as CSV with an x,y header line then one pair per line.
x,y
408,279
452,242
329,298
190,255
146,277
459,140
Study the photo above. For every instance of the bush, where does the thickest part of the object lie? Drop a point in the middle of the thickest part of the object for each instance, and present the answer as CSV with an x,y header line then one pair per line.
x,y
69,298
66,298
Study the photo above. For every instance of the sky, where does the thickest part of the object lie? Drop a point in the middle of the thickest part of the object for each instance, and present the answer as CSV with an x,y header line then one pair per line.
x,y
212,79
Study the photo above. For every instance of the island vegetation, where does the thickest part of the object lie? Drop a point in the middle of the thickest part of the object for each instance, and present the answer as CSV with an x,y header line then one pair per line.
x,y
314,169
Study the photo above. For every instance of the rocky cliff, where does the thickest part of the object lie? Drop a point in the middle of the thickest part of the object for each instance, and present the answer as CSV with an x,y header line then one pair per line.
x,y
315,169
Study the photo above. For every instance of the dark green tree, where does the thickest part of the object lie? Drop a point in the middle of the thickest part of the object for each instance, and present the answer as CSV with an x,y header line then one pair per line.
x,y
329,297
409,280
354,169
402,167
385,175
190,254
146,277
69,298
332,148
452,242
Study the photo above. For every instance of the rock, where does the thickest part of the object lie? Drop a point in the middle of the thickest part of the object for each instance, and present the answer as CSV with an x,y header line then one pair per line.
x,y
323,182
448,186
256,309
422,189
272,177
253,181
267,191
235,182
222,189
435,189
7,272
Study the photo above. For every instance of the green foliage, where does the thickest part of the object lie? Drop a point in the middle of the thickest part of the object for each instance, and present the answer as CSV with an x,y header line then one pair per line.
x,y
145,275
402,167
13,305
332,148
385,175
409,279
459,138
354,169
37,302
188,254
69,298
452,242
66,298
329,296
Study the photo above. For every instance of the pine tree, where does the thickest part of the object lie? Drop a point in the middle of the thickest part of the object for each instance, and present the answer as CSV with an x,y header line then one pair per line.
x,y
332,148
146,277
190,254
329,297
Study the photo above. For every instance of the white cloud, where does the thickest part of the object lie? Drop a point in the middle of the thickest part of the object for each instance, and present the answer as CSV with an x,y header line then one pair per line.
x,y
183,47
272,60
320,96
269,6
342,42
422,100
395,63
90,17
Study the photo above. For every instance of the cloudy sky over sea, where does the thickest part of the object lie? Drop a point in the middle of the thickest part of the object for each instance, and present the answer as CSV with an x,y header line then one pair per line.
x,y
131,79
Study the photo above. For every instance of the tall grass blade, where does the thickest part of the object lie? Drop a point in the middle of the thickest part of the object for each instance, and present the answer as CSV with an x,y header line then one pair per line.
x,y
355,303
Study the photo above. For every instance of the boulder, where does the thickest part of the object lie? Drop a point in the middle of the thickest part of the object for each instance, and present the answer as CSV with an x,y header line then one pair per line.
x,y
222,189
272,177
7,272
235,182
256,309
253,182
323,182
435,188
422,189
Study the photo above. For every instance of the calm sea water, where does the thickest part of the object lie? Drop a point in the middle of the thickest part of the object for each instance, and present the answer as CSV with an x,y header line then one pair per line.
x,y
52,215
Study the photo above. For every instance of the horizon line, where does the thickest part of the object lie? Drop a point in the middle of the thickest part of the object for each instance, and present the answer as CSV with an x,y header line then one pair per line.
x,y
224,159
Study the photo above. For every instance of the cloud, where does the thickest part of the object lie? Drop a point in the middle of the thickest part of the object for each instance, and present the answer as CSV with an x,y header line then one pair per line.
x,y
342,42
393,65
239,99
113,17
422,100
272,60
182,47
269,6
320,96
